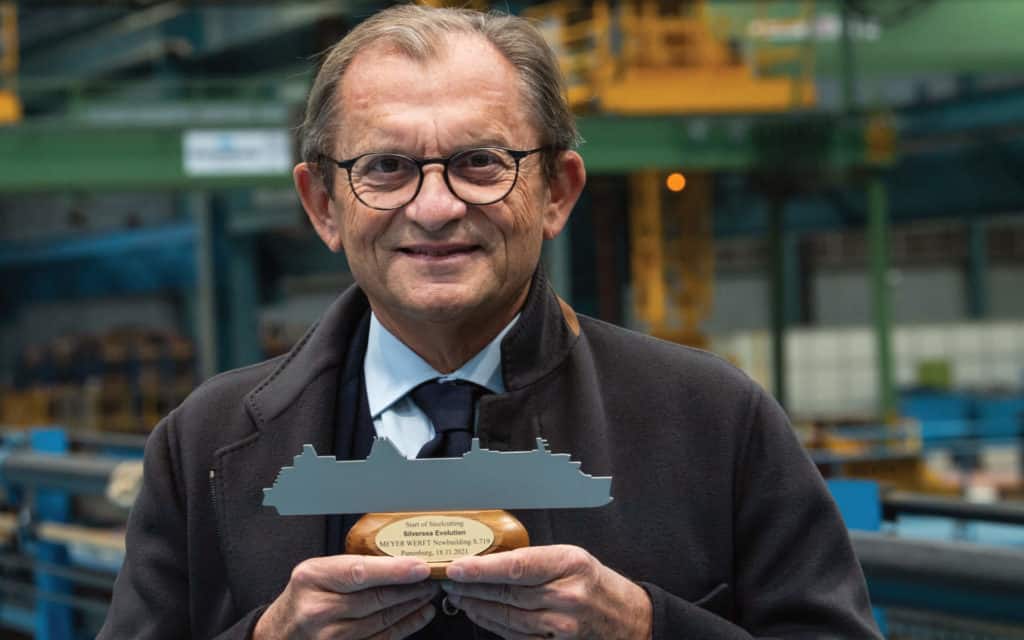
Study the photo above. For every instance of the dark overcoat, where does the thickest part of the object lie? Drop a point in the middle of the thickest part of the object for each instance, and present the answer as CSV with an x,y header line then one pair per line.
x,y
718,512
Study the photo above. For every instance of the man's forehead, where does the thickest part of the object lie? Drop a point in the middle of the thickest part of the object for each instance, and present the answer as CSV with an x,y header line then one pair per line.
x,y
469,90
462,64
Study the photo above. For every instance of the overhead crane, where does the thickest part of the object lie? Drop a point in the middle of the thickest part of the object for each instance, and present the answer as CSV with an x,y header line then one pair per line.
x,y
643,58
646,57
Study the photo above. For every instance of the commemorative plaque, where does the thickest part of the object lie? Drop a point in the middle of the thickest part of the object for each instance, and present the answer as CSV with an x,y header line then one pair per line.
x,y
437,509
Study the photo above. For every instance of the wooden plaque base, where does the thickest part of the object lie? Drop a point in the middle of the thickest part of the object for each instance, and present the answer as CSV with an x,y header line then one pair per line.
x,y
436,536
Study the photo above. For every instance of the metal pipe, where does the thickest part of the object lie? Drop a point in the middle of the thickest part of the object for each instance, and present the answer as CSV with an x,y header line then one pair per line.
x,y
25,590
79,576
101,439
901,502
954,577
77,473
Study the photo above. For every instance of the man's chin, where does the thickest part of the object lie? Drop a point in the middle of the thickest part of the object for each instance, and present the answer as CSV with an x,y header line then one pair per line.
x,y
444,312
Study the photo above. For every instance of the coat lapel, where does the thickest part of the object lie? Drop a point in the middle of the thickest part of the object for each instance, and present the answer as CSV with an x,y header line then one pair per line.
x,y
541,398
295,405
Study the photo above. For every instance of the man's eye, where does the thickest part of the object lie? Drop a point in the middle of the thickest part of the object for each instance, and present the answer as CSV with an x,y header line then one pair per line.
x,y
386,164
481,159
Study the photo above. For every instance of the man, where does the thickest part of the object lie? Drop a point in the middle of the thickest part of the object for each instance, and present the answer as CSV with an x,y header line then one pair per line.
x,y
438,156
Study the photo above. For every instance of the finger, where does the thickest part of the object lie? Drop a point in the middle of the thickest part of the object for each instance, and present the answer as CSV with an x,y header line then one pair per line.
x,y
480,619
530,598
526,566
360,604
506,616
349,573
398,621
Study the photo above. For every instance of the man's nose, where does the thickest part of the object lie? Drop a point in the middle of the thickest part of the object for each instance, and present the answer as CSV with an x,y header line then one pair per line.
x,y
435,205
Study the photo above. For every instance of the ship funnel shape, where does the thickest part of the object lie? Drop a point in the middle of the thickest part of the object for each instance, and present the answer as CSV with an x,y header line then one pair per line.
x,y
481,479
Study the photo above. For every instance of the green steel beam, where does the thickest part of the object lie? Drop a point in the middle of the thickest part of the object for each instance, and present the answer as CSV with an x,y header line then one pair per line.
x,y
46,157
41,157
892,37
624,144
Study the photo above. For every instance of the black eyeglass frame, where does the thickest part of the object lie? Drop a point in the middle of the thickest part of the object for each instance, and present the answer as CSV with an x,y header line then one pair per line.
x,y
516,154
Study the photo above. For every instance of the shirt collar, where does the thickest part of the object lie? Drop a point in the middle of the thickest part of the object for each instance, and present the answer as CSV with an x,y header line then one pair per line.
x,y
391,369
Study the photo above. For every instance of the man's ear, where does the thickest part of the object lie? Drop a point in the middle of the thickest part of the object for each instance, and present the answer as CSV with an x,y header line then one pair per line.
x,y
319,205
564,189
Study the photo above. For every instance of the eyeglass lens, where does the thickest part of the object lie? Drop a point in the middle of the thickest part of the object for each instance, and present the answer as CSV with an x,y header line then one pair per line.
x,y
476,176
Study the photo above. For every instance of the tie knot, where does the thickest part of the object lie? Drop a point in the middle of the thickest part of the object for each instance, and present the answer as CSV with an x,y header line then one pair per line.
x,y
449,405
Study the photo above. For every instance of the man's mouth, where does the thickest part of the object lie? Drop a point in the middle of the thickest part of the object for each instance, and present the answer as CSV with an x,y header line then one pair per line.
x,y
438,251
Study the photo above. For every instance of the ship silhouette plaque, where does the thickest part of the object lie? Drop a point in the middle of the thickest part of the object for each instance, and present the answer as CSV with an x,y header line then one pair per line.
x,y
437,509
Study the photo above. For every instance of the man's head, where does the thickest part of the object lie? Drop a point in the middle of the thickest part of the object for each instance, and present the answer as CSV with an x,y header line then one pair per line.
x,y
421,33
430,83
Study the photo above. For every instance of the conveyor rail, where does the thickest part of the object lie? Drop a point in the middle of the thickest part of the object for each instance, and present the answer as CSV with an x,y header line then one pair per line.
x,y
958,578
904,503
77,473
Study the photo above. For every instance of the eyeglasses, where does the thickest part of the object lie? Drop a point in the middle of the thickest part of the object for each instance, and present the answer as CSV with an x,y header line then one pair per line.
x,y
389,181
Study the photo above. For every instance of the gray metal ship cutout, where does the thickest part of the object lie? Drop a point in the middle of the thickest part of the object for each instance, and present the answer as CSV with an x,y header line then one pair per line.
x,y
387,481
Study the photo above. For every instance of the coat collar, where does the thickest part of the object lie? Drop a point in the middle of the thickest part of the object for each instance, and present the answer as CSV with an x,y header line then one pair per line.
x,y
322,349
541,340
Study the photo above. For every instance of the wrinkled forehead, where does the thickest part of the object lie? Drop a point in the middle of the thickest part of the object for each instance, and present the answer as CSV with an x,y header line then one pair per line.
x,y
466,92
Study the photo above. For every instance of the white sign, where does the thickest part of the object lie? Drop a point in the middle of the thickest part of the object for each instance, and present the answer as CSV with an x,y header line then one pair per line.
x,y
827,27
238,152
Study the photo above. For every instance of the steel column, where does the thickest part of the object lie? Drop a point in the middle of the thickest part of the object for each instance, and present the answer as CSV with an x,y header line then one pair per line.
x,y
776,216
558,263
977,269
53,620
847,72
878,250
206,296
243,302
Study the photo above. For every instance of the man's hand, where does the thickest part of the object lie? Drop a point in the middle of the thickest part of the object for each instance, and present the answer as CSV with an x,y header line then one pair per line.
x,y
349,596
548,592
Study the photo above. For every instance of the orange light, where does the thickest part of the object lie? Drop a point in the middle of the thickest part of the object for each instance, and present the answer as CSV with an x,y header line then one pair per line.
x,y
675,182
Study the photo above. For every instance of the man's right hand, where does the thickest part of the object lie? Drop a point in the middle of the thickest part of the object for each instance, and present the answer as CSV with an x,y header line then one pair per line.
x,y
349,596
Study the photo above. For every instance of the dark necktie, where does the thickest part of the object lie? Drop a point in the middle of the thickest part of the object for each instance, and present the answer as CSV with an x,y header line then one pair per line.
x,y
450,406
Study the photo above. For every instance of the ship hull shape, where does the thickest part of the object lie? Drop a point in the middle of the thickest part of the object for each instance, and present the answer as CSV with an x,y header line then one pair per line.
x,y
387,481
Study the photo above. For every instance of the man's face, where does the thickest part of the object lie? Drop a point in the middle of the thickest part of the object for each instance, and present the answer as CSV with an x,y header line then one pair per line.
x,y
438,259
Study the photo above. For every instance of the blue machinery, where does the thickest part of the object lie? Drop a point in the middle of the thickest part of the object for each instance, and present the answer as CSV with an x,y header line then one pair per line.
x,y
51,590
55,577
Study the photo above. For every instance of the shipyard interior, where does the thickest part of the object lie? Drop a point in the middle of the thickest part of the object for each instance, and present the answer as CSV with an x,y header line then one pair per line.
x,y
829,194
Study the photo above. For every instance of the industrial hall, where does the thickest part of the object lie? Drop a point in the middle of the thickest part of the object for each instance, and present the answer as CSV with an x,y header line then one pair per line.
x,y
521,319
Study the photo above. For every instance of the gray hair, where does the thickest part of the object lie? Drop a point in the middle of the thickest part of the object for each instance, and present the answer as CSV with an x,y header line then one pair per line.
x,y
418,32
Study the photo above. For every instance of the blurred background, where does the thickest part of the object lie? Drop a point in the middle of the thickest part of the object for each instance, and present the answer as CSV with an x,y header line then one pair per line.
x,y
828,193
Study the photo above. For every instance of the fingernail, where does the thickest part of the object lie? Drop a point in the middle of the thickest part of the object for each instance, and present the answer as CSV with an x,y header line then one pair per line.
x,y
419,572
456,572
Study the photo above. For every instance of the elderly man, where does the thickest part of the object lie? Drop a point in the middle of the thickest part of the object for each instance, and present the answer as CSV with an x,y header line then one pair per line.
x,y
438,155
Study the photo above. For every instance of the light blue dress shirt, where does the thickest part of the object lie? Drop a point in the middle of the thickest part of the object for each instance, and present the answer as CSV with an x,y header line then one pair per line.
x,y
391,370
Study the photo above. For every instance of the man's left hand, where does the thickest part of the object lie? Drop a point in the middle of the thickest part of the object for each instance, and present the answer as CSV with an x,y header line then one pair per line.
x,y
556,591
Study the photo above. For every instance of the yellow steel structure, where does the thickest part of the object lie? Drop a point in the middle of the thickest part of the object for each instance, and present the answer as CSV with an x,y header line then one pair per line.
x,y
652,57
480,5
672,255
10,105
646,250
